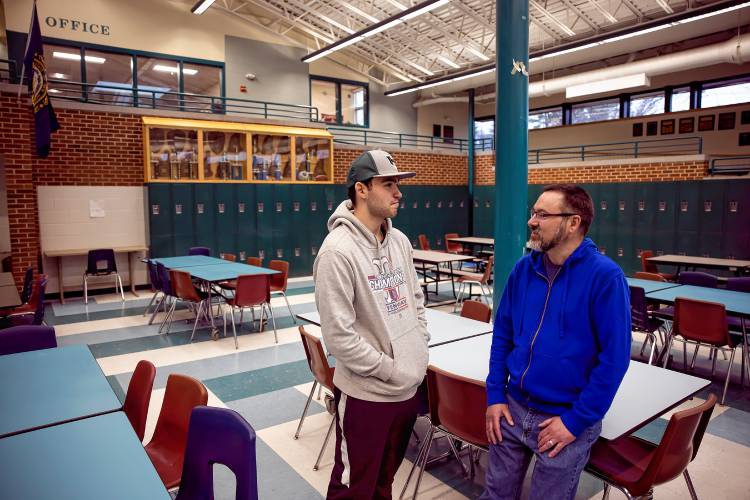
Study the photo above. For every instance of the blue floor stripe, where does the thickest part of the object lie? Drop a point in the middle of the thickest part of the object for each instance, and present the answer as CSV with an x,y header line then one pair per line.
x,y
247,384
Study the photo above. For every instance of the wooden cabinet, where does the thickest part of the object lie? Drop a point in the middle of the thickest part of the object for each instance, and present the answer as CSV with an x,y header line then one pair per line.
x,y
182,150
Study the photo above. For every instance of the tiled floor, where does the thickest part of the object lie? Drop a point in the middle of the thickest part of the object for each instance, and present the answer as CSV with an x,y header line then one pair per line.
x,y
268,384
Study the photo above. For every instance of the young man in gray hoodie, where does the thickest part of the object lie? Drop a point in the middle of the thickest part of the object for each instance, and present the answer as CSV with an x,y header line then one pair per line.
x,y
373,323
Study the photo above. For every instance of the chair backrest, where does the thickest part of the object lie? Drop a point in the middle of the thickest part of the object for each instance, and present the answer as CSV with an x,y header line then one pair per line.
x,y
182,286
252,289
638,309
697,278
642,275
488,270
139,396
423,243
452,398
254,261
228,256
738,284
316,359
164,281
451,246
101,261
279,280
646,265
200,251
37,299
218,435
182,394
701,321
479,311
153,276
28,281
26,338
678,445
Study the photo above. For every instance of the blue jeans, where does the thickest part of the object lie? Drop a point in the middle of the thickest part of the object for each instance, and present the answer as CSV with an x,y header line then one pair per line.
x,y
552,478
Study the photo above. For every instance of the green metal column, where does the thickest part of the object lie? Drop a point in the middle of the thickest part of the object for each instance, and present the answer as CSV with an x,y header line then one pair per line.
x,y
471,162
511,136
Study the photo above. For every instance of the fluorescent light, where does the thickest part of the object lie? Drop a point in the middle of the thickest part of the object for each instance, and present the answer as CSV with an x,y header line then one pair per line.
x,y
174,69
59,76
53,91
201,7
377,27
77,57
189,71
602,86
425,9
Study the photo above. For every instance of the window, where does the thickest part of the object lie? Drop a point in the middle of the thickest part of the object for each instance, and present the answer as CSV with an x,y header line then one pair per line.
x,y
437,130
725,93
544,118
158,82
109,74
204,80
647,104
681,99
63,65
340,102
596,111
484,133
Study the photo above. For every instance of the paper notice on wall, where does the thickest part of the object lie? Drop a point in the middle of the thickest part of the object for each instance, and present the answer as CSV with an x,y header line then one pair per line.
x,y
96,210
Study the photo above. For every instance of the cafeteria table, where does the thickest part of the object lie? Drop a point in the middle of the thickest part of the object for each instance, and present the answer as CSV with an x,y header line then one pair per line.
x,y
432,258
9,296
651,285
6,279
689,261
645,393
443,327
474,241
89,459
187,261
52,386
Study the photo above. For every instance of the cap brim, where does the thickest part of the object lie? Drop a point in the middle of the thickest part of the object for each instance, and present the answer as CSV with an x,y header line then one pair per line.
x,y
399,175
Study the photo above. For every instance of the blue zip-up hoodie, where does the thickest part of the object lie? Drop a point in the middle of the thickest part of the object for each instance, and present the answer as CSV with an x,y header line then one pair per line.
x,y
563,346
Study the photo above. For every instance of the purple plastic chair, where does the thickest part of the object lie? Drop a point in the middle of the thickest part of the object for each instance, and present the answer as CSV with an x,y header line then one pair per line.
x,y
28,280
697,278
26,338
737,285
95,258
641,319
153,276
32,313
200,251
218,435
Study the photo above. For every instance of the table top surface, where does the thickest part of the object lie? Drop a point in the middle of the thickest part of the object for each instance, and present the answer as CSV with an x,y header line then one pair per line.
x,y
434,257
632,407
85,251
188,261
651,285
734,302
443,327
7,279
690,260
9,296
228,271
52,386
474,240
93,458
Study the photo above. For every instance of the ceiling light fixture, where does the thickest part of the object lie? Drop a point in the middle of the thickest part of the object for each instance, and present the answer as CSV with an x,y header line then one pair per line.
x,y
660,24
174,69
608,85
201,6
77,57
377,27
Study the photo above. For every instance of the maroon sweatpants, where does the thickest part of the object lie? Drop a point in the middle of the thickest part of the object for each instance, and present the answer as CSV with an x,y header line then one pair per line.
x,y
371,446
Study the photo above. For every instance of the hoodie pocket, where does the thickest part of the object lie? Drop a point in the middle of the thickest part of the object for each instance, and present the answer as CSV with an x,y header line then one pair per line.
x,y
410,359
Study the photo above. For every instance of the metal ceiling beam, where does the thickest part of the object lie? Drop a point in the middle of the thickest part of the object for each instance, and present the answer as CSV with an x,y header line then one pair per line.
x,y
551,17
581,15
609,17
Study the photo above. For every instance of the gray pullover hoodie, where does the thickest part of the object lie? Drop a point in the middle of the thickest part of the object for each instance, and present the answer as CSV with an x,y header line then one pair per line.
x,y
371,309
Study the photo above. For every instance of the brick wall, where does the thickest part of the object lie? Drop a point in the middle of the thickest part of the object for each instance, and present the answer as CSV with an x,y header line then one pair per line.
x,y
678,169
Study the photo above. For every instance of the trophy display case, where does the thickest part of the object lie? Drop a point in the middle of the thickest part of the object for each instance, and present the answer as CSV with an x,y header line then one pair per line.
x,y
187,150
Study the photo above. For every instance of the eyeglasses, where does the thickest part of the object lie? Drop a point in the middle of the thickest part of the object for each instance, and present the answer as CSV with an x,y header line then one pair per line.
x,y
544,215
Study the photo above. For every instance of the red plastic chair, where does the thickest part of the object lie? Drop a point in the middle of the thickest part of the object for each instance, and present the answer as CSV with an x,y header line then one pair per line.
x,y
701,323
279,282
184,289
139,395
452,399
167,448
635,466
482,280
649,267
254,261
228,256
252,290
476,310
642,275
323,374
452,247
423,243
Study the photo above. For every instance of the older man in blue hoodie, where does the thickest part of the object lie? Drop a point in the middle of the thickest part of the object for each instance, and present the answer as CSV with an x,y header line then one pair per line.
x,y
560,348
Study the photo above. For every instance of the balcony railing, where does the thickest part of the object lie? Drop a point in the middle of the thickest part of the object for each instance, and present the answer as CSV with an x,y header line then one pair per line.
x,y
618,150
734,165
368,137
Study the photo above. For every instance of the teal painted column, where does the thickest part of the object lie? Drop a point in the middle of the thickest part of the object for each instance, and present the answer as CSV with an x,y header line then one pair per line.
x,y
511,137
471,162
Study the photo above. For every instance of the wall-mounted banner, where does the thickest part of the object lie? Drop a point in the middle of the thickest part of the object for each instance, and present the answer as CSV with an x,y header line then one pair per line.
x,y
76,25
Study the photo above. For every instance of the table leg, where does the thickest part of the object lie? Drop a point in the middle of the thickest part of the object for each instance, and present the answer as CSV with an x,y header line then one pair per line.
x,y
453,279
60,279
745,354
130,273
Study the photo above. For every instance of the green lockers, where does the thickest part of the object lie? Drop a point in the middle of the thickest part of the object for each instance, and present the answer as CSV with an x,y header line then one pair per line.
x,y
160,220
203,218
225,218
247,234
183,228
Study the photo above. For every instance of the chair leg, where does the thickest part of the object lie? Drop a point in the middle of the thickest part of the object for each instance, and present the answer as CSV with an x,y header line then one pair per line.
x,y
325,442
460,294
653,347
458,457
283,294
304,412
415,464
85,289
119,280
156,310
605,495
695,355
424,461
197,319
273,321
153,298
691,488
234,329
729,372
168,318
